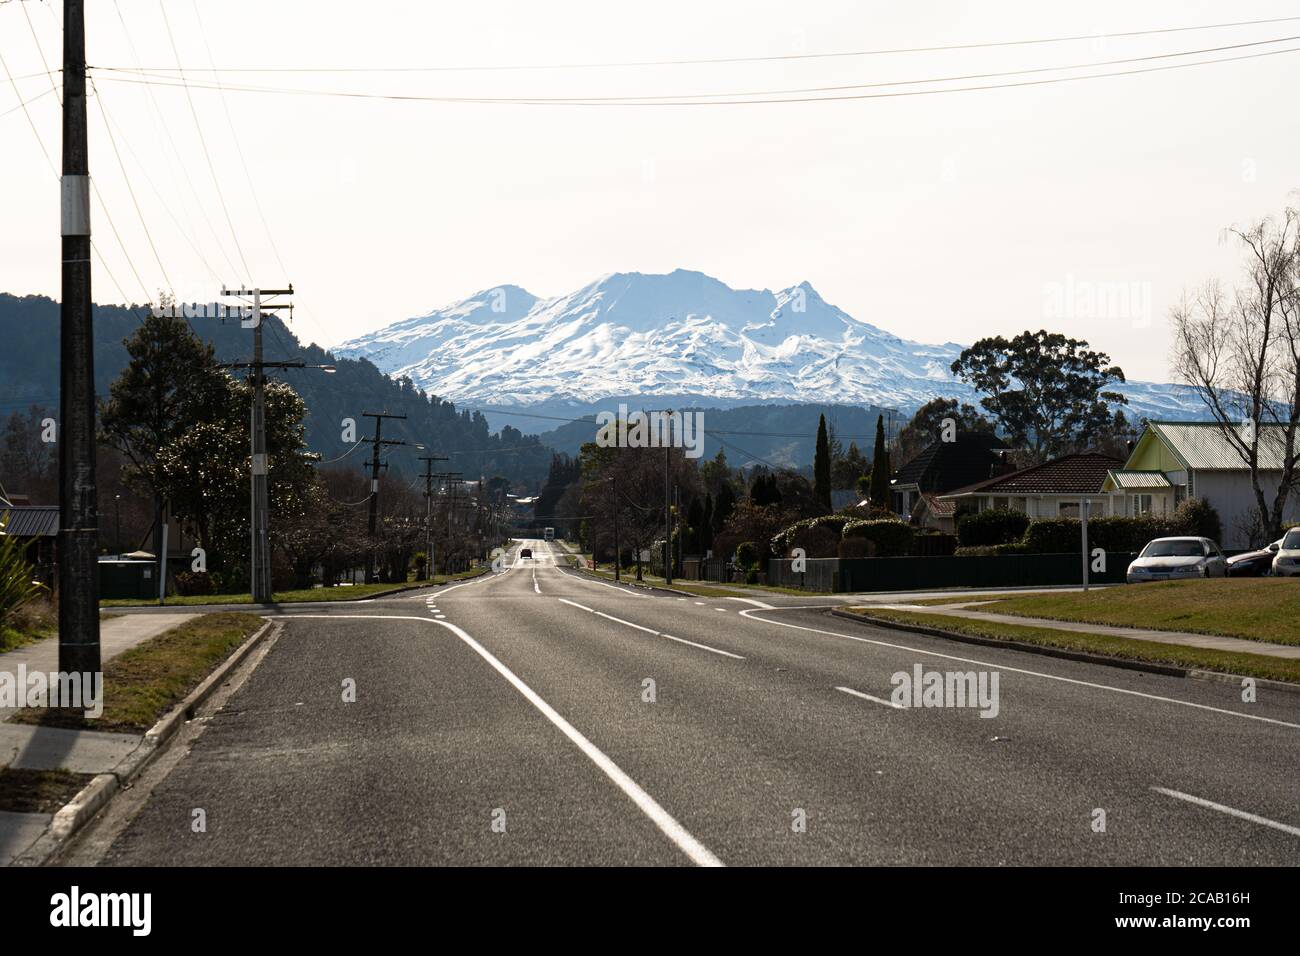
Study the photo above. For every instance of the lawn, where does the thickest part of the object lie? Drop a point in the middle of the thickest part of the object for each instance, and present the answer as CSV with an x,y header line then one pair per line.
x,y
1257,609
143,683
1249,665
39,791
352,592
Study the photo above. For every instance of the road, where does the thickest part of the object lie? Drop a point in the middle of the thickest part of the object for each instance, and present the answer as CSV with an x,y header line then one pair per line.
x,y
512,720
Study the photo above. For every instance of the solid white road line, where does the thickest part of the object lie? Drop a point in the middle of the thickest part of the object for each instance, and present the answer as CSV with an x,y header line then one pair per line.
x,y
765,607
878,700
583,577
693,848
1018,670
649,630
1240,814
535,587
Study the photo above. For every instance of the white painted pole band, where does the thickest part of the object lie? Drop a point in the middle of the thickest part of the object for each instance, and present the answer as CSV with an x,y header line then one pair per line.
x,y
74,205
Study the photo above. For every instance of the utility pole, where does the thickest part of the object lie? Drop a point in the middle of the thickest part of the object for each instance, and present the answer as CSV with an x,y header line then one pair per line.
x,y
613,500
378,442
78,505
428,512
453,479
259,506
668,512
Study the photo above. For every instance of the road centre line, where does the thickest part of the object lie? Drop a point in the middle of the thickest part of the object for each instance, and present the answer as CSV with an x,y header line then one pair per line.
x,y
1029,673
877,700
678,834
1240,814
649,630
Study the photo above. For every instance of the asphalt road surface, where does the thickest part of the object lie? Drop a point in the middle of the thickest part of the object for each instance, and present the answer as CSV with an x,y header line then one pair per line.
x,y
538,716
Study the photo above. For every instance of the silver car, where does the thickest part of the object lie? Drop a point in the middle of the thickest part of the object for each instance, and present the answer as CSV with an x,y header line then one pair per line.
x,y
1287,562
1166,559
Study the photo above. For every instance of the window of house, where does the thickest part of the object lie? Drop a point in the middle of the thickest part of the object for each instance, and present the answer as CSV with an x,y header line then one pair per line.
x,y
1141,504
1069,509
1000,503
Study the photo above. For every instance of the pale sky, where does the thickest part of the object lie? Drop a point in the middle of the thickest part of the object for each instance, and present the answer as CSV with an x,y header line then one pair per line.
x,y
940,218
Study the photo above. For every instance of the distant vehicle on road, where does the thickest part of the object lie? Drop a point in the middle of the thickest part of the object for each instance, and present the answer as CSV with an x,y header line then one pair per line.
x,y
548,534
1287,562
1254,564
525,552
1175,558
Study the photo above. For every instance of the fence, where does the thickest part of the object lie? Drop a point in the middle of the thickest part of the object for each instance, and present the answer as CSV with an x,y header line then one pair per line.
x,y
950,571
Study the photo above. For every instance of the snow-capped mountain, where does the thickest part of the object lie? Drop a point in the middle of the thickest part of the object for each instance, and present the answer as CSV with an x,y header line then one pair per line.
x,y
684,334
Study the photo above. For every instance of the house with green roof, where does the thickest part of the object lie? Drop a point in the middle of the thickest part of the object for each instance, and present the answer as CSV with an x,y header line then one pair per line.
x,y
1177,460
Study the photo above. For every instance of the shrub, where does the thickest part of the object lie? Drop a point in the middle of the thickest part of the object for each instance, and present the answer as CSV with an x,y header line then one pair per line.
x,y
934,545
783,540
751,576
1115,533
746,554
991,550
855,547
1197,517
190,583
890,536
817,541
16,584
994,526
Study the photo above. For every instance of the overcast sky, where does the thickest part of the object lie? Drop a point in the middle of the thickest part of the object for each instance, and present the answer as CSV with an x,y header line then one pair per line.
x,y
1085,207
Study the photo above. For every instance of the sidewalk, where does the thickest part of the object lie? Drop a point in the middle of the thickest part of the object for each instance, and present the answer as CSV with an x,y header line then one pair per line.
x,y
24,746
1213,642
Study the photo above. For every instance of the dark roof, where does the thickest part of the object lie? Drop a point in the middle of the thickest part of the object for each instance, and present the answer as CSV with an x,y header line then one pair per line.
x,y
1080,474
31,521
942,466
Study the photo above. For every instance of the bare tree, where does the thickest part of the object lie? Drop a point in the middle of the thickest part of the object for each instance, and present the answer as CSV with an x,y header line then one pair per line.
x,y
1240,350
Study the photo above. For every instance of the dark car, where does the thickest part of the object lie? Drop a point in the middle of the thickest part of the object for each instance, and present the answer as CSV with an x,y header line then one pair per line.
x,y
528,552
1253,564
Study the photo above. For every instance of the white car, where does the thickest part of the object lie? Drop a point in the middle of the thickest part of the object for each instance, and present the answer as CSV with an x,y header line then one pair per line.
x,y
1166,559
1287,562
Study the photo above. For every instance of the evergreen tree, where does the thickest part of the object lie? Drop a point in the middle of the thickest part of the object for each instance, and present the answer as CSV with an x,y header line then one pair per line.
x,y
822,466
880,467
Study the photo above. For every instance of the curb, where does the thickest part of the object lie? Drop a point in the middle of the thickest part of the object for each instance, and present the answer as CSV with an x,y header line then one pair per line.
x,y
92,798
1168,670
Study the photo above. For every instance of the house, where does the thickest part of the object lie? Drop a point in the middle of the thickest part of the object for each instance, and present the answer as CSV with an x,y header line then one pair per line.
x,y
1054,489
1177,460
943,466
39,526
933,512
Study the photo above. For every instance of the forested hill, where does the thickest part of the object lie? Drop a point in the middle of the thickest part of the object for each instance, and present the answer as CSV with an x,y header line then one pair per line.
x,y
29,375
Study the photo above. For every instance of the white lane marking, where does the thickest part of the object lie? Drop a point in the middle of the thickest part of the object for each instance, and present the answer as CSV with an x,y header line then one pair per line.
x,y
1019,670
649,630
535,587
693,848
765,607
583,577
722,609
878,700
700,603
1240,814
440,617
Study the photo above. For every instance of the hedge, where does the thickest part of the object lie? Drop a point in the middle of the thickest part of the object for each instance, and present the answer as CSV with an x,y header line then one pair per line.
x,y
891,537
783,540
994,526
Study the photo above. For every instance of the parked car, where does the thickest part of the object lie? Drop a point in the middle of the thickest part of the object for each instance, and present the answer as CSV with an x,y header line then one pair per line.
x,y
1254,564
1167,559
1287,562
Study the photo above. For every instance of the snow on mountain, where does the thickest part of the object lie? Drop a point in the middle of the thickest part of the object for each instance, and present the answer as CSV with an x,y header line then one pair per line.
x,y
681,334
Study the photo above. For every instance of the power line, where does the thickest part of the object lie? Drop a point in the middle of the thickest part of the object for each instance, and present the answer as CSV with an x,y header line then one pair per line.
x,y
757,59
161,123
651,101
203,141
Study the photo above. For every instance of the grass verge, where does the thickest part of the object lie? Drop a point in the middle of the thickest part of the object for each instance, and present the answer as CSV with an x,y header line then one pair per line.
x,y
143,683
39,791
1255,609
1248,665
352,592
707,589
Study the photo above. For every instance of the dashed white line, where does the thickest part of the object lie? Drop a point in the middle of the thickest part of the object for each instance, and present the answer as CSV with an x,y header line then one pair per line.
x,y
877,700
1020,670
1240,814
678,834
649,630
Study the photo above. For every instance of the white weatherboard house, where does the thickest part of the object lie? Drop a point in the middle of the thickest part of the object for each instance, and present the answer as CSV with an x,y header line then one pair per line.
x,y
1177,460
